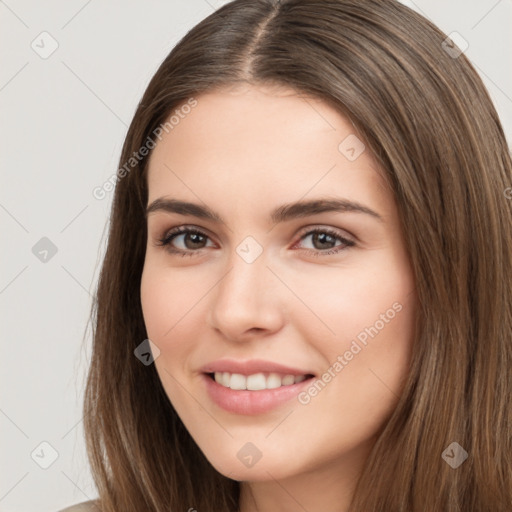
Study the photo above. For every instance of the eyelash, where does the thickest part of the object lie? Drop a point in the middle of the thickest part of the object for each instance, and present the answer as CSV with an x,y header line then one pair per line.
x,y
171,235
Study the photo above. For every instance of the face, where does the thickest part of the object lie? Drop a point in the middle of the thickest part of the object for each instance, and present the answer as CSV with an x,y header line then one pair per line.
x,y
276,284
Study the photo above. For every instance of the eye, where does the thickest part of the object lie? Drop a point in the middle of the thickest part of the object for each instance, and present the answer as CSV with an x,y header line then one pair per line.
x,y
326,241
189,240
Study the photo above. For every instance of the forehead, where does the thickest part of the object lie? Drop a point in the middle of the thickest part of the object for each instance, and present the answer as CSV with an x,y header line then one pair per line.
x,y
263,143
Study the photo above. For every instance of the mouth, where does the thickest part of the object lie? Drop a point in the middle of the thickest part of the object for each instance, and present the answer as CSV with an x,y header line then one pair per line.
x,y
253,394
257,381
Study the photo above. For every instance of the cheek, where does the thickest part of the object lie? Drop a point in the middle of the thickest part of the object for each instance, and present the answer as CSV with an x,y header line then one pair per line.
x,y
156,299
173,314
366,317
345,303
366,367
168,300
162,310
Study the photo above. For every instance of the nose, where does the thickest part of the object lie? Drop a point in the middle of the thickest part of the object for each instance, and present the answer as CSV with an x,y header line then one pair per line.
x,y
247,300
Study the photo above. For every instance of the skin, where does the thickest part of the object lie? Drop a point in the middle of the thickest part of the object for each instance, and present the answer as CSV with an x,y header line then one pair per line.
x,y
244,151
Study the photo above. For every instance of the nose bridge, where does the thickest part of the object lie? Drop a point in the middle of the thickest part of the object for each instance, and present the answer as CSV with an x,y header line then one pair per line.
x,y
242,285
245,297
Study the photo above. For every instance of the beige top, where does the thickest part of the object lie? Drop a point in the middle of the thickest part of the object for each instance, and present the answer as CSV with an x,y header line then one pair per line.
x,y
86,506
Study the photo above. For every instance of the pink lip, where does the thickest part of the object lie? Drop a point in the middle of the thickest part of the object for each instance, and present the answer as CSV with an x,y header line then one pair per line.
x,y
251,402
250,367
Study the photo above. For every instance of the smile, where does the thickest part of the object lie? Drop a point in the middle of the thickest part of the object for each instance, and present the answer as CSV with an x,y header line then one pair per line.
x,y
256,381
246,401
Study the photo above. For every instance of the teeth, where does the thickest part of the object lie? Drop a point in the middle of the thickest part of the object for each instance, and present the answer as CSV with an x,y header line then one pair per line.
x,y
287,380
274,381
226,377
256,381
238,381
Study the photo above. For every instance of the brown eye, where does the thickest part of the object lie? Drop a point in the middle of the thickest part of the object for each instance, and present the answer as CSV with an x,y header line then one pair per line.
x,y
192,240
184,240
326,241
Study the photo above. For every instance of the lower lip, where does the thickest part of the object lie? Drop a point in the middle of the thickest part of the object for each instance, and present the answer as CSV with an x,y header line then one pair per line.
x,y
252,402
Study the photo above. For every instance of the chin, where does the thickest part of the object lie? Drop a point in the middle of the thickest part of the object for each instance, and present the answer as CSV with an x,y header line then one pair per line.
x,y
237,465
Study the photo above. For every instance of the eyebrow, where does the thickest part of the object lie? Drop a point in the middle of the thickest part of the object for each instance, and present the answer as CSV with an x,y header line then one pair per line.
x,y
283,213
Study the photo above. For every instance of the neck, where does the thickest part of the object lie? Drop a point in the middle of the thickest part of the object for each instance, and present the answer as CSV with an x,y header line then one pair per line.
x,y
329,488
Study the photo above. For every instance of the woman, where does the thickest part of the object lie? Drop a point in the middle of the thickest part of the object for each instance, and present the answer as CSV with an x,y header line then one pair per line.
x,y
305,301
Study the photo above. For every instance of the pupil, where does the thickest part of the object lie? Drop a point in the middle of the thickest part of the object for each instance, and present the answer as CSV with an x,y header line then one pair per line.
x,y
196,239
324,238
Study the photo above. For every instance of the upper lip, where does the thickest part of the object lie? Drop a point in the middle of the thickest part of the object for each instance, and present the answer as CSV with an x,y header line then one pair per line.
x,y
251,367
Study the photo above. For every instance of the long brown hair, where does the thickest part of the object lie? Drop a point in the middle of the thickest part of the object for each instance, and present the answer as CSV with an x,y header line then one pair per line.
x,y
427,118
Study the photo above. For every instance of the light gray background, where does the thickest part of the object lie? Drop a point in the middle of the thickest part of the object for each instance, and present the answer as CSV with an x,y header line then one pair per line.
x,y
64,119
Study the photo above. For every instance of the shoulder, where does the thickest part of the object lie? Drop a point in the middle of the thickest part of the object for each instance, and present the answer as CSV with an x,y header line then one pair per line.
x,y
86,506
